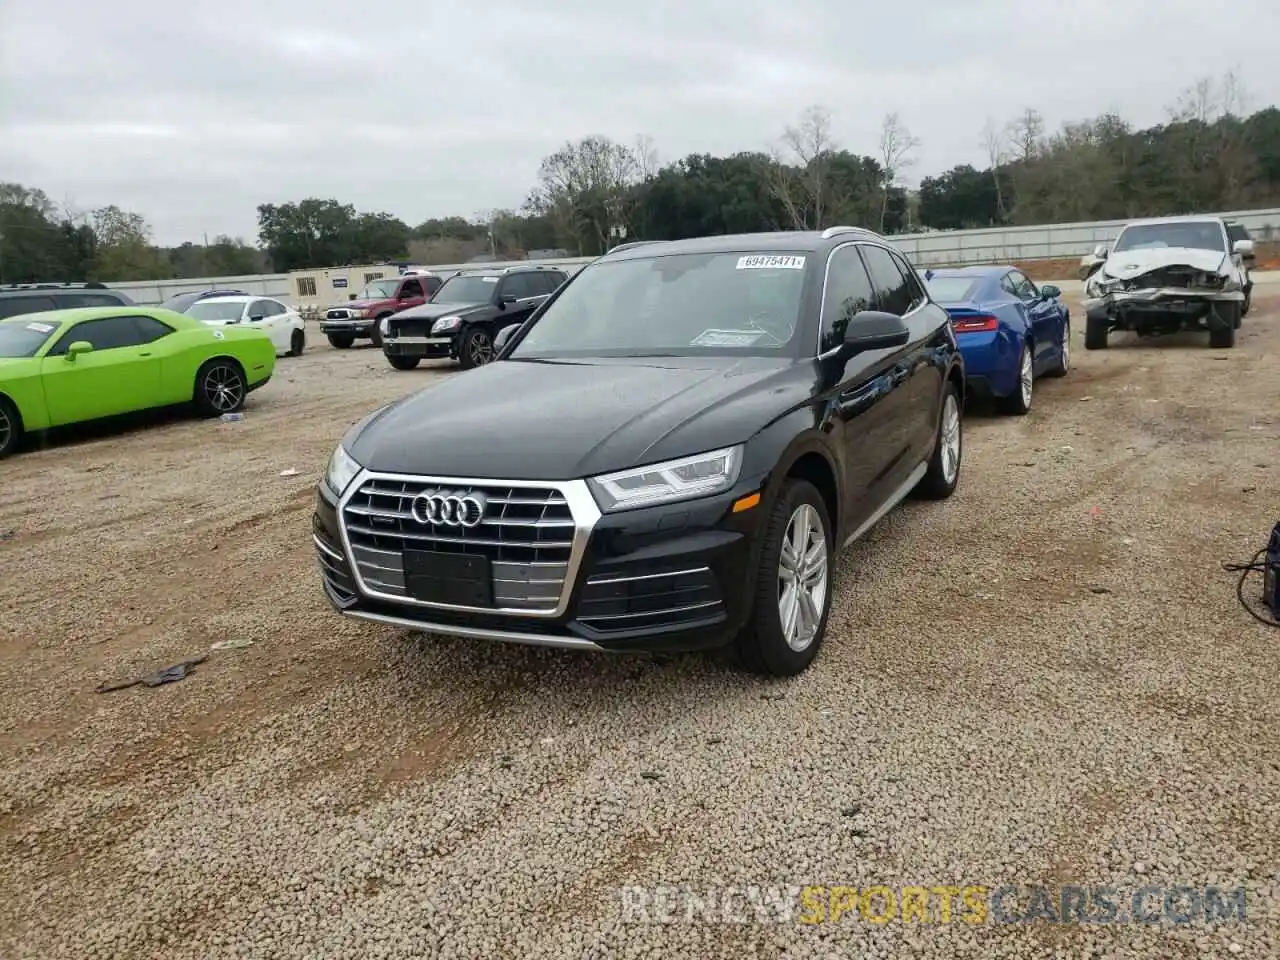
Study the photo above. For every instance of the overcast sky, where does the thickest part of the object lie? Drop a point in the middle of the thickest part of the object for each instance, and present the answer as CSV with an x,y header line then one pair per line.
x,y
192,113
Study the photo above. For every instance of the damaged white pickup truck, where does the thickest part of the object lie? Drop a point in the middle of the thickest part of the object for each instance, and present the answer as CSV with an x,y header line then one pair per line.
x,y
1161,276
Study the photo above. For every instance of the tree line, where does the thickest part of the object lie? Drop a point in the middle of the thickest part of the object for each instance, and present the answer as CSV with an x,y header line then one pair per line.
x,y
1211,154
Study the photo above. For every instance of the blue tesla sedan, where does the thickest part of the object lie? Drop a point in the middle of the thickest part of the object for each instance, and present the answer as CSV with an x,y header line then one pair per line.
x,y
1010,331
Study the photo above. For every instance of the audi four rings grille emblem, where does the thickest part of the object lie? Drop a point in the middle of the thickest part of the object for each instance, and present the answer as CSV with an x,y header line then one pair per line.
x,y
449,509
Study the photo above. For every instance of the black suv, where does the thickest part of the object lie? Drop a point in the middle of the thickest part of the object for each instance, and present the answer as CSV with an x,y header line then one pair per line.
x,y
667,455
464,317
20,298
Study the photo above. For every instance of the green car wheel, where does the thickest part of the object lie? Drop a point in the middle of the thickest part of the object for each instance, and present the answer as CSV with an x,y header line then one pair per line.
x,y
220,387
10,428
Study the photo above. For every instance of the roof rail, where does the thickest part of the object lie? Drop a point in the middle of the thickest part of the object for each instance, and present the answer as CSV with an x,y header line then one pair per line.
x,y
830,232
88,285
632,243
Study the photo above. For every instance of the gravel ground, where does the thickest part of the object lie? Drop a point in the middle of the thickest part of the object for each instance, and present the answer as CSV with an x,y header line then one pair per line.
x,y
1045,680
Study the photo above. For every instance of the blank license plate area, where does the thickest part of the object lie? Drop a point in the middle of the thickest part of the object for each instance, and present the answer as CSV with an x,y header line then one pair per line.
x,y
458,578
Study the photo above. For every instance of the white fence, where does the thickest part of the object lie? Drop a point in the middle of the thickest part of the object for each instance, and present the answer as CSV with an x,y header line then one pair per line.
x,y
950,247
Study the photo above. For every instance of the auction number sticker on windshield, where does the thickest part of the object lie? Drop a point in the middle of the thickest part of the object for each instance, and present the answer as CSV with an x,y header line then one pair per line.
x,y
489,279
762,262
40,327
726,338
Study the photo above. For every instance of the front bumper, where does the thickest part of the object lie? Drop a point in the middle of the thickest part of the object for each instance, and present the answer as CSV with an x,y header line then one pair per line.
x,y
398,346
360,327
666,578
1169,299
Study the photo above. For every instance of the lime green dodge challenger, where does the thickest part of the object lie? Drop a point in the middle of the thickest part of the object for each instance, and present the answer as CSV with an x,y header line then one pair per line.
x,y
70,366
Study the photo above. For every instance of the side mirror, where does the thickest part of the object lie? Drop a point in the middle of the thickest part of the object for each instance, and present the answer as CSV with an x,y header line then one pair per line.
x,y
351,296
1101,251
503,336
1049,291
874,330
79,347
1244,248
505,301
254,318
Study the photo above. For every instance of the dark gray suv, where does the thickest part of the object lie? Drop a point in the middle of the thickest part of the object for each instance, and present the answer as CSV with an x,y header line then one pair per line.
x,y
20,298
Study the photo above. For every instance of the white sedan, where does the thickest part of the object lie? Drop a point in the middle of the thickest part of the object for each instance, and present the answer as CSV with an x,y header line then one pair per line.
x,y
283,324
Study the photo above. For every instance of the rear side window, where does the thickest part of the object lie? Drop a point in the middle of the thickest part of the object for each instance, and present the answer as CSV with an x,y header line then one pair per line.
x,y
14,306
150,329
892,293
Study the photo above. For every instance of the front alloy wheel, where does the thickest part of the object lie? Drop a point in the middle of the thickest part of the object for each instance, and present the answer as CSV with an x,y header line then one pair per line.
x,y
802,577
10,428
477,348
793,587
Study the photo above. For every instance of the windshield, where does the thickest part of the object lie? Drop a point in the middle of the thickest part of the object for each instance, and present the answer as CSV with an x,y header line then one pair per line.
x,y
1196,235
466,290
24,339
379,290
216,310
683,305
951,289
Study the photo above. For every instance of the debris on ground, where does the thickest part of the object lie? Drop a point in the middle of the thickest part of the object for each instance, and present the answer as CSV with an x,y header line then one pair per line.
x,y
8,534
291,472
179,671
238,644
232,417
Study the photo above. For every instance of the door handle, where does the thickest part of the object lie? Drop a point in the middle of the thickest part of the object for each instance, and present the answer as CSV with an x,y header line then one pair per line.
x,y
145,353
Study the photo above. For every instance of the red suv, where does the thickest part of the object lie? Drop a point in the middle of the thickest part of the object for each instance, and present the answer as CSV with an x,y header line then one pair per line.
x,y
359,317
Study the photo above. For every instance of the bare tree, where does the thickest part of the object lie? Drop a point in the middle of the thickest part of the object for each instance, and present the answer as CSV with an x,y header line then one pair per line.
x,y
582,188
994,143
646,156
798,174
896,147
1025,134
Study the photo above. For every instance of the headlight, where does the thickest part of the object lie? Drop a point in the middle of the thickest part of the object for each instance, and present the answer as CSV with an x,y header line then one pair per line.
x,y
355,314
445,324
668,482
341,471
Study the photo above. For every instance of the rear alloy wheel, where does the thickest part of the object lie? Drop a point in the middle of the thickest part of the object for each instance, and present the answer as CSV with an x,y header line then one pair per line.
x,y
341,341
793,585
297,343
477,348
1018,403
10,428
220,387
943,473
404,363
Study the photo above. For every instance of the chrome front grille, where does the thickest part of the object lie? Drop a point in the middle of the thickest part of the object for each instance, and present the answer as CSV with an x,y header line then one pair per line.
x,y
532,534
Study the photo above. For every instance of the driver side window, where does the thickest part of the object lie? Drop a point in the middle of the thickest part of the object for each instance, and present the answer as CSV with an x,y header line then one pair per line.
x,y
848,292
411,288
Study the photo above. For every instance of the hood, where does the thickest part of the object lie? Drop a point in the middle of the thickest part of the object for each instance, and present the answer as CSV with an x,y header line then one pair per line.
x,y
434,311
529,420
355,304
1128,264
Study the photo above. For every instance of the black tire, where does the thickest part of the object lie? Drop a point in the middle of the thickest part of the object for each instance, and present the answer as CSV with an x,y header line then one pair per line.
x,y
943,474
297,343
10,427
476,348
762,645
1063,364
1019,402
404,363
1223,323
220,387
1096,330
1248,302
375,332
341,341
